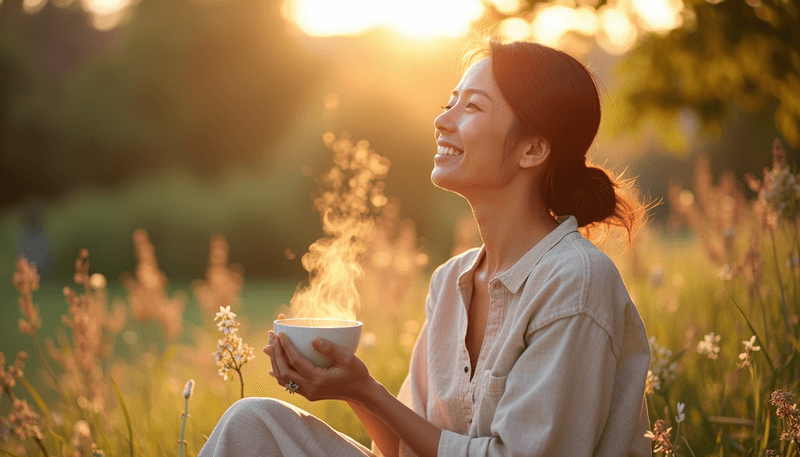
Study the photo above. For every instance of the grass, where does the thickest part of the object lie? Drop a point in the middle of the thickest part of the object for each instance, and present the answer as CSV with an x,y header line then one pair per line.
x,y
726,266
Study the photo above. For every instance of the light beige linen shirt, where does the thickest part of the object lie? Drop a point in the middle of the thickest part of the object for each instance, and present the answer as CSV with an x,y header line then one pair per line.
x,y
563,364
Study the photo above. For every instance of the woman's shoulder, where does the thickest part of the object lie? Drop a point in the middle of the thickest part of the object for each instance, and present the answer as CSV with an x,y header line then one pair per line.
x,y
575,277
575,258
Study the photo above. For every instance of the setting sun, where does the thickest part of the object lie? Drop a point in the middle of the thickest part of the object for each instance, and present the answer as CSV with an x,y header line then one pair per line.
x,y
416,18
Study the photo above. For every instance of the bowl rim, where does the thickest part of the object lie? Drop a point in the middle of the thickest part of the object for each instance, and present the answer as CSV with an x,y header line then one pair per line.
x,y
349,323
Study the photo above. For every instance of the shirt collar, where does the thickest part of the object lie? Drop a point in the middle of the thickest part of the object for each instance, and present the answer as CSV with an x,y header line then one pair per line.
x,y
514,277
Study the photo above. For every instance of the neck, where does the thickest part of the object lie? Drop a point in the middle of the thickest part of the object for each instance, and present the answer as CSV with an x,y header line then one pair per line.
x,y
511,221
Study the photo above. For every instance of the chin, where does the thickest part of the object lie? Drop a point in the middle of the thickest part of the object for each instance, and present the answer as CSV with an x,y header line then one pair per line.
x,y
441,179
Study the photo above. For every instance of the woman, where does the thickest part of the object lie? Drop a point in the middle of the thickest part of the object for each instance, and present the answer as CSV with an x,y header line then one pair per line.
x,y
532,346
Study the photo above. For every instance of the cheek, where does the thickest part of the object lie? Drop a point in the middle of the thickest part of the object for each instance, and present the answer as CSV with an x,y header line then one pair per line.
x,y
484,135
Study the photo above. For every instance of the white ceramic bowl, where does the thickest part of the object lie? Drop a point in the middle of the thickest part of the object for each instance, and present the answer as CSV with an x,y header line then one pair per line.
x,y
301,331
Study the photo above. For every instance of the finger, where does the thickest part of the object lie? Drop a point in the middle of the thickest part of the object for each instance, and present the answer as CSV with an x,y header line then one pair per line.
x,y
273,360
281,316
339,354
281,365
286,370
298,362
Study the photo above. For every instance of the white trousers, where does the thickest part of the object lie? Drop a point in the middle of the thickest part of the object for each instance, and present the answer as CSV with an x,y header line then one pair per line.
x,y
266,427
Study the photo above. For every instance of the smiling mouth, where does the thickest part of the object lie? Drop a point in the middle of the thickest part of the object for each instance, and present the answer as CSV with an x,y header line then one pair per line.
x,y
448,151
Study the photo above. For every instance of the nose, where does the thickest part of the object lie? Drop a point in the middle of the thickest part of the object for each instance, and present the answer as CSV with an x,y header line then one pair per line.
x,y
443,123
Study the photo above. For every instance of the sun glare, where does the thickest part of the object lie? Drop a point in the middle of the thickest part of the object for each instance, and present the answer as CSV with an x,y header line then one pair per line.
x,y
416,18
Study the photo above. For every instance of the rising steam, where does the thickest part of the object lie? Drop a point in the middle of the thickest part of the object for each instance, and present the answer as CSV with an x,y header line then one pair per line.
x,y
351,193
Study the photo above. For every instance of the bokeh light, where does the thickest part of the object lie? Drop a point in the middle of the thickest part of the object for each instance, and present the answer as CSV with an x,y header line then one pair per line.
x,y
659,16
414,18
106,14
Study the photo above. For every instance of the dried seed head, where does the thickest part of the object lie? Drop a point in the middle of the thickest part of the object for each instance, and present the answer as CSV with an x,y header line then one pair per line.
x,y
187,391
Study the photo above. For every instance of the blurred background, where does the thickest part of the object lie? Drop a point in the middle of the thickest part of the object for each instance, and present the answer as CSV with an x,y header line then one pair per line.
x,y
183,142
190,118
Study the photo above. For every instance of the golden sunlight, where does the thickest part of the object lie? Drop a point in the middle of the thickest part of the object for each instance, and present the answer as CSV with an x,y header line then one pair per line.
x,y
106,14
415,18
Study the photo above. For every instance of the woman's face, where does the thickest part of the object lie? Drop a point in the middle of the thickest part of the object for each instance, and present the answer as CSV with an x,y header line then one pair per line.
x,y
471,135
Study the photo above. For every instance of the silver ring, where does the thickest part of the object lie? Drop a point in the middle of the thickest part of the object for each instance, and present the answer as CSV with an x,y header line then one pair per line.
x,y
292,386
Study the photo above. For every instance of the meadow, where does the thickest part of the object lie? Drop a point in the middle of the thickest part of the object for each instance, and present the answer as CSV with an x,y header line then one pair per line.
x,y
718,288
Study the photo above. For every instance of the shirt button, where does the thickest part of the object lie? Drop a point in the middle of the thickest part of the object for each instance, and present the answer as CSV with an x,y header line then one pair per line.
x,y
466,369
497,285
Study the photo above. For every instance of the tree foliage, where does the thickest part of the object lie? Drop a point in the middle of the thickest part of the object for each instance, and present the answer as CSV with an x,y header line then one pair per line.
x,y
188,84
726,55
742,53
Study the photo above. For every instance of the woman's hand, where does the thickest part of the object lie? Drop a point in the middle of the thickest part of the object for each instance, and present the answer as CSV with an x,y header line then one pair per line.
x,y
348,379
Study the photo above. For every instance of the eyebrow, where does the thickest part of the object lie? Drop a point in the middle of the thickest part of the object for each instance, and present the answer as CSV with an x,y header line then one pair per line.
x,y
471,91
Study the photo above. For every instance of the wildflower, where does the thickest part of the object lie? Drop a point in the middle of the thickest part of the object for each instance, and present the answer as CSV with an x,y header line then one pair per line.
x,y
223,281
680,417
780,189
147,295
81,441
662,364
709,347
24,421
232,353
94,330
771,453
788,411
26,280
652,383
745,356
661,438
8,379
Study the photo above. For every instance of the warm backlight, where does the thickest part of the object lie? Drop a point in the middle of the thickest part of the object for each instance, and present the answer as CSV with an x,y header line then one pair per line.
x,y
416,18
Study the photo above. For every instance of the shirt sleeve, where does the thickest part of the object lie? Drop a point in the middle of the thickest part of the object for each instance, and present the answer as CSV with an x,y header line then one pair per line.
x,y
556,398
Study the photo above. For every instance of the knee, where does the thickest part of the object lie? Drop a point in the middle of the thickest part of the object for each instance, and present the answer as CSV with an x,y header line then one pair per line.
x,y
257,407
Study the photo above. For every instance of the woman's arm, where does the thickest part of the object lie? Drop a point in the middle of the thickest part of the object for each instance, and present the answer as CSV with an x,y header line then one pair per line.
x,y
383,436
350,380
416,432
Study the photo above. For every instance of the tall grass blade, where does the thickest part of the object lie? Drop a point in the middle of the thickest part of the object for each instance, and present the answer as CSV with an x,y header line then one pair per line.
x,y
758,338
125,412
765,438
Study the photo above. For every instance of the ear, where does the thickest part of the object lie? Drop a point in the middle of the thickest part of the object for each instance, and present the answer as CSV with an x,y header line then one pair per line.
x,y
535,151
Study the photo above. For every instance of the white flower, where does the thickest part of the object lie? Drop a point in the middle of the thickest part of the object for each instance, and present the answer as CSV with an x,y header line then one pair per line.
x,y
232,353
745,356
680,417
748,345
708,346
652,383
661,364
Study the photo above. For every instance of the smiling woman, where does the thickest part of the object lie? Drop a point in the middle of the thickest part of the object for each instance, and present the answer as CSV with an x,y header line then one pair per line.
x,y
532,345
415,18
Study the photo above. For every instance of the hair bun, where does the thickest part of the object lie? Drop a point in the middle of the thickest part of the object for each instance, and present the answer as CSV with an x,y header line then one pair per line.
x,y
593,197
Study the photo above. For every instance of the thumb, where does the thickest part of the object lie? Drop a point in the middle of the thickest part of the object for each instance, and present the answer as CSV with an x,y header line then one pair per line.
x,y
332,350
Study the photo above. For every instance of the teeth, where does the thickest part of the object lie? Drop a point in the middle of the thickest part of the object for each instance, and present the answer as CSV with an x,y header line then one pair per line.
x,y
448,151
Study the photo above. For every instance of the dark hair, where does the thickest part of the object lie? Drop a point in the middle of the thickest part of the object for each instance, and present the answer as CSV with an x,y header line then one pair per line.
x,y
554,96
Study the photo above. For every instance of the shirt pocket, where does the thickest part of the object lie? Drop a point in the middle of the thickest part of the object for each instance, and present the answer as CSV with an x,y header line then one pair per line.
x,y
492,389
